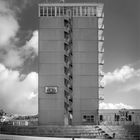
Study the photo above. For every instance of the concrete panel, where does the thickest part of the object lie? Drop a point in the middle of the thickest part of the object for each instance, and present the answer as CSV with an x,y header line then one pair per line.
x,y
49,117
51,69
88,104
85,34
52,103
51,57
51,34
85,69
51,46
85,57
85,46
85,81
86,92
54,22
76,112
84,22
54,80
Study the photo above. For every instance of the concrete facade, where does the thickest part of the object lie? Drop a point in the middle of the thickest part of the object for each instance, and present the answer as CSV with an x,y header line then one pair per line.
x,y
51,70
68,64
85,69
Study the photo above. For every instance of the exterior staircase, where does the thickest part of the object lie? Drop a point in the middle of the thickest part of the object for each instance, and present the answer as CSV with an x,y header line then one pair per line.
x,y
57,131
118,132
125,132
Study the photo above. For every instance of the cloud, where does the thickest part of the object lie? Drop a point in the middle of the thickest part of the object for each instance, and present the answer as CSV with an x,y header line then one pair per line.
x,y
13,59
13,55
18,93
132,87
8,24
114,106
33,42
121,75
18,5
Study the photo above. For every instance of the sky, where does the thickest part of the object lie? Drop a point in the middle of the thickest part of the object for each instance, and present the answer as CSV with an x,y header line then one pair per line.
x,y
19,55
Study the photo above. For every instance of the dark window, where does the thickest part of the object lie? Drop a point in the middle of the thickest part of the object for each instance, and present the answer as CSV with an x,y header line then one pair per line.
x,y
49,11
45,11
117,117
88,118
129,118
101,117
53,11
84,116
61,11
41,11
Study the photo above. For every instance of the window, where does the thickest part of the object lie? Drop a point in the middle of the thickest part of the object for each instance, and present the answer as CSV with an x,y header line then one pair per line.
x,y
74,11
57,11
41,11
45,11
101,118
88,118
129,118
53,11
49,11
117,117
61,11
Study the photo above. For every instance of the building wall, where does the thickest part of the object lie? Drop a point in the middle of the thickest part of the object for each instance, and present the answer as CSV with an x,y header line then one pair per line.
x,y
85,69
108,117
51,70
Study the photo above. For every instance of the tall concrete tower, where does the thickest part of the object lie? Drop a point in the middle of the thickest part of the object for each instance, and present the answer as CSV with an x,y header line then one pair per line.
x,y
70,61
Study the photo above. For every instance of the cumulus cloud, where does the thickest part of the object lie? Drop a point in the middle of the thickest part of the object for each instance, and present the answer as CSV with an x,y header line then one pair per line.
x,y
33,43
114,106
8,24
18,93
11,54
121,75
13,59
132,87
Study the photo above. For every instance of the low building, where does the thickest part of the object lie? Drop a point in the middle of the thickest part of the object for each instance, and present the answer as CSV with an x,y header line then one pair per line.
x,y
119,117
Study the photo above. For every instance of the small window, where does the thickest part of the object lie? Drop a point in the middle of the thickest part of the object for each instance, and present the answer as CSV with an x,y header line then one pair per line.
x,y
101,118
57,11
53,11
84,116
61,11
117,117
45,11
41,11
129,118
88,118
74,11
49,11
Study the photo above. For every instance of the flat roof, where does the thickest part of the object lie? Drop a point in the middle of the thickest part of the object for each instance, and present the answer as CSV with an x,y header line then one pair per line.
x,y
72,4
